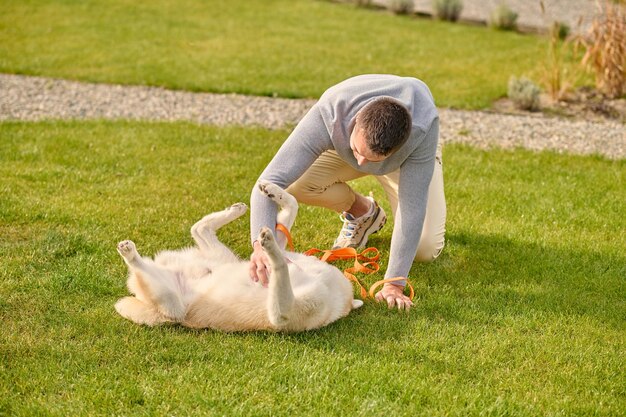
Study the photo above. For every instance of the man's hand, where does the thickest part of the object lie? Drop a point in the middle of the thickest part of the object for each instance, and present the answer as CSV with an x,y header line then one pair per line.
x,y
394,296
259,265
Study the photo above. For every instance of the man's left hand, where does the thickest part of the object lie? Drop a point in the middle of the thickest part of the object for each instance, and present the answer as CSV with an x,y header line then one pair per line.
x,y
394,295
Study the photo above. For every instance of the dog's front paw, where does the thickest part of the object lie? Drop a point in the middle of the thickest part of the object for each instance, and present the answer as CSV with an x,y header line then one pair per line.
x,y
271,190
127,249
265,237
238,209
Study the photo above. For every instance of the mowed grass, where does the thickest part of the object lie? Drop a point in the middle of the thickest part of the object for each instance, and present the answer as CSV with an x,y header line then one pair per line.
x,y
523,314
288,48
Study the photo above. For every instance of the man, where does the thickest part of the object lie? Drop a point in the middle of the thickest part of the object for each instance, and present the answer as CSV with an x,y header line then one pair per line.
x,y
381,125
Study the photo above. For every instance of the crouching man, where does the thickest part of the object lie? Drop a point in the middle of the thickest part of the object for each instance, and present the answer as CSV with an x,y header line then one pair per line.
x,y
381,125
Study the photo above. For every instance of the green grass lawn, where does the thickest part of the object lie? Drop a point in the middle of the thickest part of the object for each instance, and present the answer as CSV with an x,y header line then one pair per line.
x,y
523,314
289,48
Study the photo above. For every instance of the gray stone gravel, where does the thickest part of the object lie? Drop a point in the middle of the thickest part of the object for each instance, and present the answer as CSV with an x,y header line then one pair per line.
x,y
535,132
36,98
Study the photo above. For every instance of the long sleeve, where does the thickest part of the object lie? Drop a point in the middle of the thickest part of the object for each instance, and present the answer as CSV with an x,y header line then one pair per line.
x,y
415,175
308,140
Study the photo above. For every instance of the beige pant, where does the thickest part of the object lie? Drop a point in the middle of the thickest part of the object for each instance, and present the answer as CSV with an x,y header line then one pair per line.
x,y
324,184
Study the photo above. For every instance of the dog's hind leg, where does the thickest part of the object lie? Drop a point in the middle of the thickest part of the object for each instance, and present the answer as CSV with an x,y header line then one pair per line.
x,y
280,301
203,233
287,204
139,312
152,284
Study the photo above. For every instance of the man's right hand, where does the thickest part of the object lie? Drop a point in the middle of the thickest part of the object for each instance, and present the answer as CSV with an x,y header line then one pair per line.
x,y
394,296
259,265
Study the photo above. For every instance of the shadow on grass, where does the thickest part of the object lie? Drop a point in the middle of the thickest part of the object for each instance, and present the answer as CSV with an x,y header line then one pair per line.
x,y
487,281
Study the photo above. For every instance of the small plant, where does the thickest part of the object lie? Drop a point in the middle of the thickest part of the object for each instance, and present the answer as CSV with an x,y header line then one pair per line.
x,y
503,18
363,3
558,78
605,46
401,6
448,9
562,30
554,68
524,93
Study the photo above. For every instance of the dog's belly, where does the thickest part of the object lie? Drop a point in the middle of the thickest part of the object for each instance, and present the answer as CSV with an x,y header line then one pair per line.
x,y
229,300
226,280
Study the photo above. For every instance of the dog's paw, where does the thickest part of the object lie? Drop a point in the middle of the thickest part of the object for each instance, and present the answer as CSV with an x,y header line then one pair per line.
x,y
271,190
126,248
238,209
265,237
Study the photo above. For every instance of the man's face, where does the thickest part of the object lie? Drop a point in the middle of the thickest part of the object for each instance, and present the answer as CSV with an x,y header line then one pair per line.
x,y
361,152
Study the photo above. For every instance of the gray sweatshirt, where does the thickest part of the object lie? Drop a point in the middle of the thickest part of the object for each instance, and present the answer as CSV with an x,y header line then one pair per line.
x,y
328,125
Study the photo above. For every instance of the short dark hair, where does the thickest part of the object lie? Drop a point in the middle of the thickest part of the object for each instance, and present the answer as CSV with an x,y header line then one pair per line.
x,y
386,125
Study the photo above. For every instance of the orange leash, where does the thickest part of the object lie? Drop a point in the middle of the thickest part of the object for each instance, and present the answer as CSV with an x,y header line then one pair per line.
x,y
370,266
281,228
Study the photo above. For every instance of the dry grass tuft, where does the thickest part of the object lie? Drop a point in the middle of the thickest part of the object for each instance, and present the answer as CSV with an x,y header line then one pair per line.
x,y
558,78
605,48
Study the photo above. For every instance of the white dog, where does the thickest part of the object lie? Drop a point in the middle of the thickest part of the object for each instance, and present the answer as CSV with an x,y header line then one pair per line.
x,y
208,286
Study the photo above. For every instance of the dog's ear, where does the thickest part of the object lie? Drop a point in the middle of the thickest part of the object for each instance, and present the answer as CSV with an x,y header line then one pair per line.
x,y
139,312
356,304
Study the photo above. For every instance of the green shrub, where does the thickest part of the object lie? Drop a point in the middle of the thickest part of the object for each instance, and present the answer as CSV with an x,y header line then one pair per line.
x,y
401,6
524,93
562,29
503,18
448,9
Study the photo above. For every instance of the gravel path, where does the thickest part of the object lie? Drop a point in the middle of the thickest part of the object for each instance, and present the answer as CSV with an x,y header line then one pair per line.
x,y
35,98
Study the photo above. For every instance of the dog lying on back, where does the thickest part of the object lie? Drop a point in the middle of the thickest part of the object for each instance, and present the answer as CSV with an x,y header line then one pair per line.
x,y
208,286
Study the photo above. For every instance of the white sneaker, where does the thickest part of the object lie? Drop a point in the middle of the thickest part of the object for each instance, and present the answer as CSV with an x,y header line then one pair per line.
x,y
355,232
